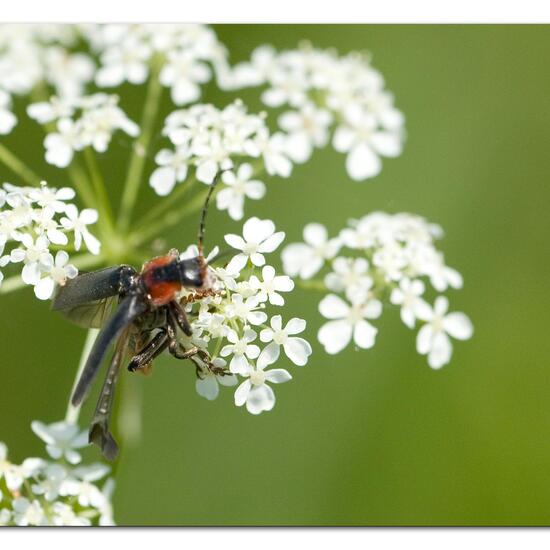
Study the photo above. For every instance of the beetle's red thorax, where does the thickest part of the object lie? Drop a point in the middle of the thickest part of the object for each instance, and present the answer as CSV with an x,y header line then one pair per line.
x,y
160,292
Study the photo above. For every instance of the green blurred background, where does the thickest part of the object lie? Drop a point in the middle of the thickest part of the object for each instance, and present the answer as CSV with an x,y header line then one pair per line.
x,y
368,437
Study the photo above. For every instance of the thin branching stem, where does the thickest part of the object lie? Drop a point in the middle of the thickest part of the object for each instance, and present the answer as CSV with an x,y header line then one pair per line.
x,y
16,165
139,151
99,187
72,413
170,218
168,202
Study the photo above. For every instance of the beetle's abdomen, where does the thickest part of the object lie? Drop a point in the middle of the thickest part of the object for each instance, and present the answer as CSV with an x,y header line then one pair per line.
x,y
161,289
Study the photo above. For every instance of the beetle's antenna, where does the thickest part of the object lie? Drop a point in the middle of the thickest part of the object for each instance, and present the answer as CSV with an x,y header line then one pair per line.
x,y
203,215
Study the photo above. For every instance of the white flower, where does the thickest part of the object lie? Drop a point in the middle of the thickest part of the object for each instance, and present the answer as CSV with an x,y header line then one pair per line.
x,y
246,310
274,150
239,186
7,119
67,72
182,74
364,142
58,272
297,350
28,513
5,517
306,259
241,349
61,145
348,321
212,156
101,118
407,295
65,515
54,109
54,199
350,275
124,61
88,495
78,224
391,260
306,128
35,256
209,385
254,391
61,438
433,338
54,475
172,169
46,224
269,288
259,237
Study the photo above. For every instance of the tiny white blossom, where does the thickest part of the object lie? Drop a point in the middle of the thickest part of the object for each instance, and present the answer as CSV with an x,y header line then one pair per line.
x,y
254,391
238,186
172,169
58,271
306,259
28,513
407,295
258,237
269,288
296,349
347,322
307,128
433,338
61,438
246,309
78,224
241,349
350,275
364,142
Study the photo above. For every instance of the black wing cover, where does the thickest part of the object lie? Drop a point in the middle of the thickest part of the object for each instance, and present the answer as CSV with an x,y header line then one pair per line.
x,y
89,299
129,308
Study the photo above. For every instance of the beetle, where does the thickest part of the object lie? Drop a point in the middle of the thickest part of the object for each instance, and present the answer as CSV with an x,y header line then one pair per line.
x,y
145,322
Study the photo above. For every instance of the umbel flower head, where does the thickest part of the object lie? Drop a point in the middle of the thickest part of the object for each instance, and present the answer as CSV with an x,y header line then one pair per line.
x,y
56,492
231,325
35,220
319,92
376,260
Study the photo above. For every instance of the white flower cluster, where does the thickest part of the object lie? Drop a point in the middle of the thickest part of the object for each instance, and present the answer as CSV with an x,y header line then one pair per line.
x,y
35,220
211,140
322,91
389,258
34,54
185,53
224,345
87,121
54,492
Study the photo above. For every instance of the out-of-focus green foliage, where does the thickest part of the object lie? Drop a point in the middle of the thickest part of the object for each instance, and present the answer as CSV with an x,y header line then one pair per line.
x,y
369,437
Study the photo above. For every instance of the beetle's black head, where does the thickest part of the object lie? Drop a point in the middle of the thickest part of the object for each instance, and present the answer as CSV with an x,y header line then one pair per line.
x,y
191,271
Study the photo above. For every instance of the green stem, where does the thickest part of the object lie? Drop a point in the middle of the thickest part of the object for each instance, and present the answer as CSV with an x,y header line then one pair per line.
x,y
99,186
141,145
17,166
170,219
82,185
71,416
310,284
168,202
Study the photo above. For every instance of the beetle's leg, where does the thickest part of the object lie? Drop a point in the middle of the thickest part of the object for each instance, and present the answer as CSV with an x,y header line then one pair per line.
x,y
180,317
174,347
155,346
99,429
